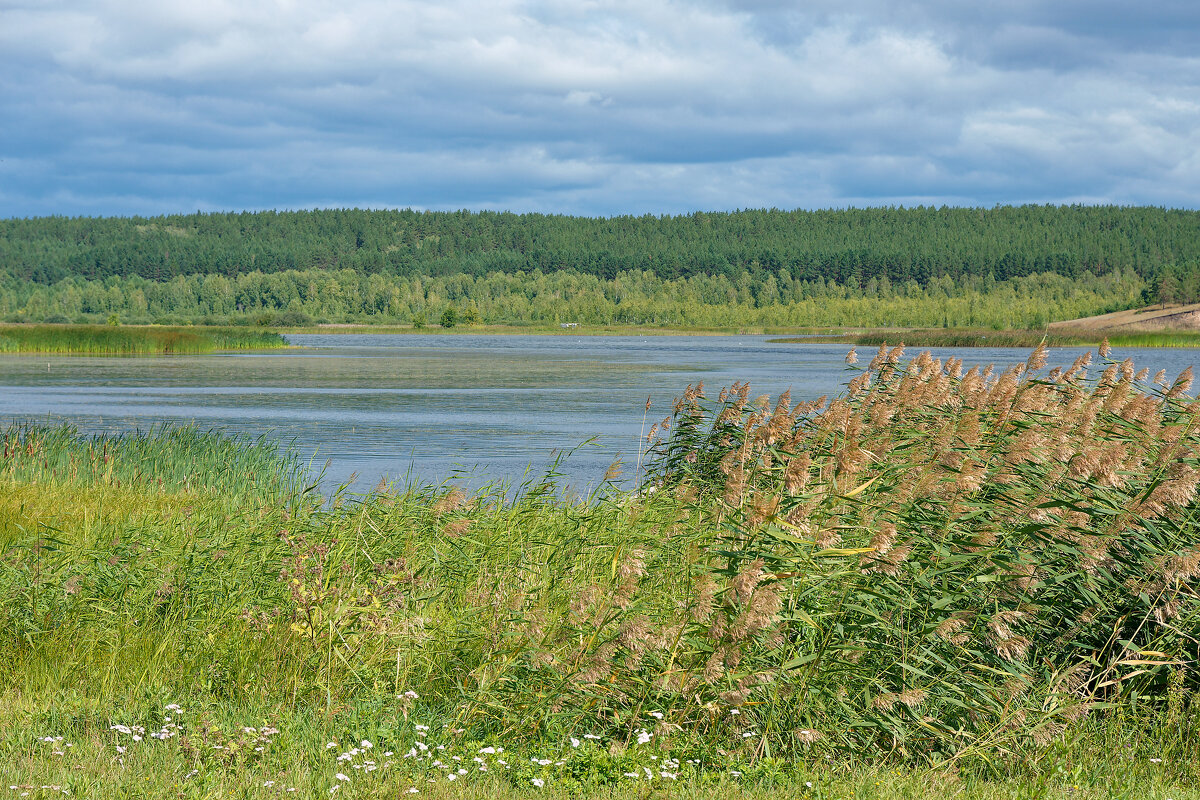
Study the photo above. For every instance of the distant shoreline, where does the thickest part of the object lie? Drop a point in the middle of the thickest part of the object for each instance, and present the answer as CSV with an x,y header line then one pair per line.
x,y
54,338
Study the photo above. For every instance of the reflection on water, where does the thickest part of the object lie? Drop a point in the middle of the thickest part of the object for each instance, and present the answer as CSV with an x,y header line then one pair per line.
x,y
468,408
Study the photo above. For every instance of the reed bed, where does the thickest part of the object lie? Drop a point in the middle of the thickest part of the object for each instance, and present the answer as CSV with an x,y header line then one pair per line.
x,y
971,572
122,340
970,561
958,337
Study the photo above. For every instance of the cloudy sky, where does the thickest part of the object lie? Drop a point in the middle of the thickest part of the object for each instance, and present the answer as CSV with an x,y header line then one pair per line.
x,y
567,106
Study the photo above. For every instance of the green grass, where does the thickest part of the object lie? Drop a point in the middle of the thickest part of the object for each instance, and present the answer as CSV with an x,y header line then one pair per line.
x,y
124,340
212,754
961,337
981,585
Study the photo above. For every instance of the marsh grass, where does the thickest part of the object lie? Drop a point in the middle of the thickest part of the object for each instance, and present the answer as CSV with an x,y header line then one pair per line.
x,y
945,579
124,340
959,337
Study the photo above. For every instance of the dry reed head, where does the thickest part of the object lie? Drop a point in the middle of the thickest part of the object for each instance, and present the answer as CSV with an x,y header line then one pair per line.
x,y
1037,359
451,501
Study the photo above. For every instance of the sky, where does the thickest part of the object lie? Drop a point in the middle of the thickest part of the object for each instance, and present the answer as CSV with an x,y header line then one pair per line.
x,y
145,107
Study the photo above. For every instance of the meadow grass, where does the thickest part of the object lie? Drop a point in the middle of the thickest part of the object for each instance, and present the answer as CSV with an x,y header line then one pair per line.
x,y
960,337
125,340
944,581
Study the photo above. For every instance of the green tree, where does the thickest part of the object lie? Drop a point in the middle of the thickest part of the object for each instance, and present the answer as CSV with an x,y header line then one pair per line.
x,y
1168,290
449,317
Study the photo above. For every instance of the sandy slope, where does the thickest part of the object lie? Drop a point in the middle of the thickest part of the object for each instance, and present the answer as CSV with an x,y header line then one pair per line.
x,y
1153,318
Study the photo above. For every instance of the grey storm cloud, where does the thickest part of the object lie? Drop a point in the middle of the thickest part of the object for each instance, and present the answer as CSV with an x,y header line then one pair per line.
x,y
140,107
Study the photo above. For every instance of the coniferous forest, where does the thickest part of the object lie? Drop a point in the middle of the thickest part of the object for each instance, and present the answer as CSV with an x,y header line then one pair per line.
x,y
1001,267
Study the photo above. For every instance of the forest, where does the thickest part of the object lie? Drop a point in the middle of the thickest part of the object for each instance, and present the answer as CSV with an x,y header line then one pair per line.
x,y
1005,266
297,298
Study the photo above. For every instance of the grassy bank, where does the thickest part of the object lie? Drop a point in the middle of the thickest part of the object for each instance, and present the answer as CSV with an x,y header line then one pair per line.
x,y
957,337
558,330
944,581
125,340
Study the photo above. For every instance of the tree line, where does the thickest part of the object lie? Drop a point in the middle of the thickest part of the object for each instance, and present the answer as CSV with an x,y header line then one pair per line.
x,y
848,247
775,299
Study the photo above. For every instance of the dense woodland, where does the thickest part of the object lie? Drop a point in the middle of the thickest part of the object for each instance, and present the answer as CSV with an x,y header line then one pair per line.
x,y
1001,267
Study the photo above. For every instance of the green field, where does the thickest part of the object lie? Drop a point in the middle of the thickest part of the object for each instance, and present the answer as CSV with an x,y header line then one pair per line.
x,y
941,583
123,340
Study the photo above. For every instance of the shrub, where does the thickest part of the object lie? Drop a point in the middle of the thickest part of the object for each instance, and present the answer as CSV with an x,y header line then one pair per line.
x,y
292,319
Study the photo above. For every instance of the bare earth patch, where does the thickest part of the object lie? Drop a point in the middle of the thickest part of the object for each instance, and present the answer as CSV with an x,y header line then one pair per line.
x,y
1152,318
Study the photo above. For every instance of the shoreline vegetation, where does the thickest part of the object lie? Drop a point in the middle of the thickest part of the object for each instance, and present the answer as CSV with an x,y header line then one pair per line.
x,y
945,581
1058,337
147,340
129,340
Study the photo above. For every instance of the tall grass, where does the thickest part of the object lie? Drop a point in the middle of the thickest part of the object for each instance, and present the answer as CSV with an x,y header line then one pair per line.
x,y
121,340
968,562
162,460
939,567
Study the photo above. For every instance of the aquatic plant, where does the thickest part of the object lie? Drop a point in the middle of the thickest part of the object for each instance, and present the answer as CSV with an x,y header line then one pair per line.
x,y
125,340
964,561
1058,337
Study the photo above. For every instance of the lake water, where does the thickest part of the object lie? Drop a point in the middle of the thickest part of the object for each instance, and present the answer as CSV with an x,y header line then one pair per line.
x,y
465,408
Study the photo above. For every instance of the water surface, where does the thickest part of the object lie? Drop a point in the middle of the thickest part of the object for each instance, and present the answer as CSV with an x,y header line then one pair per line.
x,y
465,408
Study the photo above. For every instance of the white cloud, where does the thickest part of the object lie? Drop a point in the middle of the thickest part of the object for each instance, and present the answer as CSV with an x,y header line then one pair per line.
x,y
590,107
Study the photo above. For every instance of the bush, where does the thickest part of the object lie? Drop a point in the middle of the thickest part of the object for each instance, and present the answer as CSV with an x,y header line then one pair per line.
x,y
292,319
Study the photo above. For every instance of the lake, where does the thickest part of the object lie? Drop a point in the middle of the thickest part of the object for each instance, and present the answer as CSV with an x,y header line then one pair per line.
x,y
465,408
